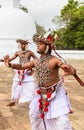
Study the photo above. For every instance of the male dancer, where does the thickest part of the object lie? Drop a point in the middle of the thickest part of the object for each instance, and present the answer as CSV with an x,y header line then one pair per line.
x,y
50,106
23,86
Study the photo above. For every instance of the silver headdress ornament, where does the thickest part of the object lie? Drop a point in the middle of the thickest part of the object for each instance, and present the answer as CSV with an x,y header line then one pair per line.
x,y
23,40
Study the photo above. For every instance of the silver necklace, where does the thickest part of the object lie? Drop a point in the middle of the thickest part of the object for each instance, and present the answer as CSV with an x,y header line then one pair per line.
x,y
24,51
43,59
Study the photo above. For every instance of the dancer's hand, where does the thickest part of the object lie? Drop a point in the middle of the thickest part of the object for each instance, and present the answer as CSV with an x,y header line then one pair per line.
x,y
6,60
68,70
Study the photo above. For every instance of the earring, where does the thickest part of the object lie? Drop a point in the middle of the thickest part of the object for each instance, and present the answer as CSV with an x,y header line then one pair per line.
x,y
46,50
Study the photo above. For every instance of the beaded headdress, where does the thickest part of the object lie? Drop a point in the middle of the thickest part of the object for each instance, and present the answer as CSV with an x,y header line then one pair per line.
x,y
47,39
23,40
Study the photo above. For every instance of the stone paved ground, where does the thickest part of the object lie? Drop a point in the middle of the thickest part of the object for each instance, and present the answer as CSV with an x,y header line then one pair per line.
x,y
16,117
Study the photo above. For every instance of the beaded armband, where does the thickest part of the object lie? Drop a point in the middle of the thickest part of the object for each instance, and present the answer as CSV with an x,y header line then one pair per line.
x,y
15,66
10,65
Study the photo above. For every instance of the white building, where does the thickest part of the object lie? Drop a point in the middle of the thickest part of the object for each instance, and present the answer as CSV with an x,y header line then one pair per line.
x,y
14,23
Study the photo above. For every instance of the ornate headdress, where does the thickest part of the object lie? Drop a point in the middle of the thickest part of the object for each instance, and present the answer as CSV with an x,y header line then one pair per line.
x,y
23,40
47,39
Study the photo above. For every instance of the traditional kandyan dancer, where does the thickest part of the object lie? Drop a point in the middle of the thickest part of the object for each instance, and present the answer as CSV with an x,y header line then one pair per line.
x,y
50,106
23,86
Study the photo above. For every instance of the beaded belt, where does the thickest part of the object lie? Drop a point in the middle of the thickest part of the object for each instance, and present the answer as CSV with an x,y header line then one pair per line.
x,y
45,95
50,89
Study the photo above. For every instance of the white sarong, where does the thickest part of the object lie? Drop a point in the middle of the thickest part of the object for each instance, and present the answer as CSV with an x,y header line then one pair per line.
x,y
24,92
56,117
59,123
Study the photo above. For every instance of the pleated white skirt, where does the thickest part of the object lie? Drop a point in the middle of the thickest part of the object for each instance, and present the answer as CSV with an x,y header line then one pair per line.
x,y
24,92
56,118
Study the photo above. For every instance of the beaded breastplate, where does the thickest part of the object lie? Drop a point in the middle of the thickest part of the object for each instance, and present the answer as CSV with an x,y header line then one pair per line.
x,y
43,71
23,58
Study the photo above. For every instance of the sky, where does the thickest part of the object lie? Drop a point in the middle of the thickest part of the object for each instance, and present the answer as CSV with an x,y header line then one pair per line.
x,y
43,11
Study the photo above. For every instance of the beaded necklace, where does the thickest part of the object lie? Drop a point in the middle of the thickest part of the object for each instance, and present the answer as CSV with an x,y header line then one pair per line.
x,y
43,59
43,71
22,60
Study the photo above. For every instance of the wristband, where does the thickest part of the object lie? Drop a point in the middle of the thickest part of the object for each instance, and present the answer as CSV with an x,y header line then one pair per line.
x,y
10,65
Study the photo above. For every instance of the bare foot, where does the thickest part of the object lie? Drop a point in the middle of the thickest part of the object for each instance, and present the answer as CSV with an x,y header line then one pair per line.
x,y
11,104
71,111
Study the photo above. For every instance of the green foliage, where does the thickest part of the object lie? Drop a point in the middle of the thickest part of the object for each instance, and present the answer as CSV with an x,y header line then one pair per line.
x,y
67,11
24,8
39,29
72,35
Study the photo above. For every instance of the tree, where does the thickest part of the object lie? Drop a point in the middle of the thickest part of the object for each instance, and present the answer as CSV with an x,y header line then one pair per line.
x,y
67,11
39,29
24,8
72,33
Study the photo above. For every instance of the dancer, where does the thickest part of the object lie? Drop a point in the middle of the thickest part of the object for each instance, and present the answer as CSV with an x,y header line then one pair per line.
x,y
50,106
23,86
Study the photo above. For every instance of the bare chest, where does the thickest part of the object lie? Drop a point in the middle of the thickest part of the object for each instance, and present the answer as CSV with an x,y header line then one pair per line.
x,y
24,57
45,73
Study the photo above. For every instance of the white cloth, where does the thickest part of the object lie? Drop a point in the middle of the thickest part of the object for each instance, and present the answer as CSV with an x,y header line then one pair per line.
x,y
26,76
59,105
24,92
59,123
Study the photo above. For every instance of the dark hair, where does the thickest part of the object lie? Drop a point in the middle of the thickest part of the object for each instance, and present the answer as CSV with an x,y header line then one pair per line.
x,y
49,51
